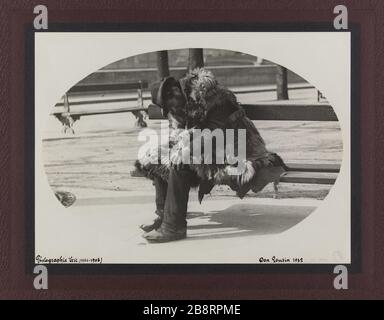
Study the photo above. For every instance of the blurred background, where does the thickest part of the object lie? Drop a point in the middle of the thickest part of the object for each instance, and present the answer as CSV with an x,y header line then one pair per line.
x,y
230,67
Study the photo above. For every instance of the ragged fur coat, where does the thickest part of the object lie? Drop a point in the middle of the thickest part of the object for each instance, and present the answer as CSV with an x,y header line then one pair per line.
x,y
208,105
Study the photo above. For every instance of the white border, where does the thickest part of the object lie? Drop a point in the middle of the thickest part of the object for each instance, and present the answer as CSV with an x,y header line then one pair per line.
x,y
322,58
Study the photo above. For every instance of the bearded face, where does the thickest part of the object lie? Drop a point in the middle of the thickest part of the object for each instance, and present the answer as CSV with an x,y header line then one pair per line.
x,y
169,96
174,102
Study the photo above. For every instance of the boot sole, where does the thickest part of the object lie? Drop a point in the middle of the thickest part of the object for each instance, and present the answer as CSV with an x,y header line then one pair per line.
x,y
168,239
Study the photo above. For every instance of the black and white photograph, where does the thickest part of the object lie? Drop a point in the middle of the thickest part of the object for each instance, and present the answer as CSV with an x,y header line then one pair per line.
x,y
192,148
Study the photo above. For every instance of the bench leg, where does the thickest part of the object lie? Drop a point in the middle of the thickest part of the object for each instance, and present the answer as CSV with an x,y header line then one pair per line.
x,y
68,125
140,115
276,189
67,121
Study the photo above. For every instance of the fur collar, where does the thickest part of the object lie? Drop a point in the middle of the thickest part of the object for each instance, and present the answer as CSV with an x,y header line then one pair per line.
x,y
196,84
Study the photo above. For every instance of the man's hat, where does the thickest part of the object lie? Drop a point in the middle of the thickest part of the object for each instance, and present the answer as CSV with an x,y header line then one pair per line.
x,y
158,91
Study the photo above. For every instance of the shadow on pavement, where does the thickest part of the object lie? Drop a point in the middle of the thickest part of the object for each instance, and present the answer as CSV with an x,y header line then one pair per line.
x,y
246,220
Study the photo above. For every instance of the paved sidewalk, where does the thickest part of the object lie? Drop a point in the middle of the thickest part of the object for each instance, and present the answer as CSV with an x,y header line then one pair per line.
x,y
219,231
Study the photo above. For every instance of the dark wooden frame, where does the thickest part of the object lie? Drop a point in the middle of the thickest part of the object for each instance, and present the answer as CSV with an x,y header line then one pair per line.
x,y
226,268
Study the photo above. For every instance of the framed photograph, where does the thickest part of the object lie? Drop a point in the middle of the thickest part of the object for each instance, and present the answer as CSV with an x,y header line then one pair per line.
x,y
89,142
234,151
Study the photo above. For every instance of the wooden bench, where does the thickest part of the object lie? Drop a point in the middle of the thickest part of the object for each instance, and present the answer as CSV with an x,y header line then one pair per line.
x,y
248,90
286,111
67,113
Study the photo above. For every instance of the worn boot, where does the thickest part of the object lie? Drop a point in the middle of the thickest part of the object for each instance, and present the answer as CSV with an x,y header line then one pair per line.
x,y
174,225
165,235
155,224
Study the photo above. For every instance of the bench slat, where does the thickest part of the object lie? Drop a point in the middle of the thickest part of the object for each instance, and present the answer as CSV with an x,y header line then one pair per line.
x,y
273,89
309,177
94,88
275,111
312,167
292,177
289,111
97,111
98,101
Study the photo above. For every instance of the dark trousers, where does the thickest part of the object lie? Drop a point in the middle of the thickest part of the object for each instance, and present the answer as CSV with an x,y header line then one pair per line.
x,y
161,187
173,198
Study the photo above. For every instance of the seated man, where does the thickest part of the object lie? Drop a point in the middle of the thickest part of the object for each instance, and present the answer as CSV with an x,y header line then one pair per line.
x,y
168,94
198,101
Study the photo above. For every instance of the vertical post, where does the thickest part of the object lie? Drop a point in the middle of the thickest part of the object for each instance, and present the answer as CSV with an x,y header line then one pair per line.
x,y
282,83
162,64
140,103
140,114
66,103
66,118
196,59
320,96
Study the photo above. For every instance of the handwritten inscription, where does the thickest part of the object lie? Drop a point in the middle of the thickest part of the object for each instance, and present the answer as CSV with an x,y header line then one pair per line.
x,y
275,259
62,259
